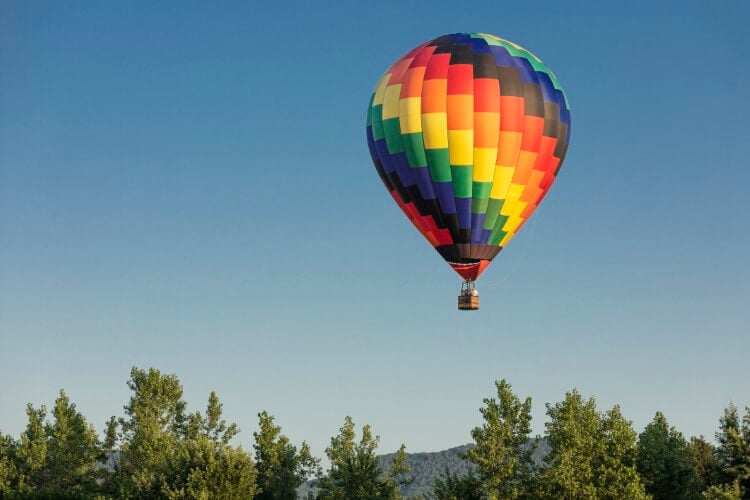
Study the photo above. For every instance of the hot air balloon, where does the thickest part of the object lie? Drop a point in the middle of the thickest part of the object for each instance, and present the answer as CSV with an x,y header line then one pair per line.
x,y
468,132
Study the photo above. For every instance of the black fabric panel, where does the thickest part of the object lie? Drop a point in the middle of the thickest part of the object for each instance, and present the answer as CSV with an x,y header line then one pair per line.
x,y
451,222
461,54
533,100
464,253
484,66
443,44
381,173
551,119
561,147
425,207
510,81
422,206
464,236
396,182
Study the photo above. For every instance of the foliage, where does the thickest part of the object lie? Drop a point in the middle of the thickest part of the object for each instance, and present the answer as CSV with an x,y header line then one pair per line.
x,y
454,487
160,450
591,454
731,491
9,473
52,459
166,452
664,461
500,455
281,468
354,473
734,448
705,464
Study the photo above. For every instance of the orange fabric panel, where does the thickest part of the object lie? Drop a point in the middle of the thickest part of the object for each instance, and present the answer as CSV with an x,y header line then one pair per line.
x,y
487,95
460,114
434,96
533,126
412,84
486,129
511,113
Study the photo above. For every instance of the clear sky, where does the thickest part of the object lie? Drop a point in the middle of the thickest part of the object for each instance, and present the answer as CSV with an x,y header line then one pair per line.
x,y
187,186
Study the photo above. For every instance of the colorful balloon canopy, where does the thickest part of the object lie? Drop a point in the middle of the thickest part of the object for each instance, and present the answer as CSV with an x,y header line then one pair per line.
x,y
468,132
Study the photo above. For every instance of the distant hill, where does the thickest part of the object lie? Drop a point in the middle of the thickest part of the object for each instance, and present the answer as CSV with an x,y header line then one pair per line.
x,y
426,467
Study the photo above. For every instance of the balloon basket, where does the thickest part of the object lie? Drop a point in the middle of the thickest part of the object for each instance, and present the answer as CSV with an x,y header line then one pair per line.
x,y
468,300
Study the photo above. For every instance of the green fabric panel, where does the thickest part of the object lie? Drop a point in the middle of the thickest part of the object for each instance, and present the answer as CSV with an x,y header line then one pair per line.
x,y
461,180
392,131
493,210
481,189
478,205
414,146
439,162
497,232
377,122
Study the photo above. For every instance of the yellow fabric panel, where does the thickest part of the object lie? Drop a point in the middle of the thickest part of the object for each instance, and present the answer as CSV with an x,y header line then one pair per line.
x,y
484,164
511,225
501,182
517,211
506,239
508,147
513,195
461,147
380,89
435,130
409,114
390,101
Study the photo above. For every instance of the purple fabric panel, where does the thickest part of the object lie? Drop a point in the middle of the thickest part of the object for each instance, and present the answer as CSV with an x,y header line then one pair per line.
x,y
444,191
424,182
385,158
477,221
463,209
403,169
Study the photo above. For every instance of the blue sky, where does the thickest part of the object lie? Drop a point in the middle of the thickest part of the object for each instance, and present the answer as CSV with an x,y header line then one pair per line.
x,y
188,187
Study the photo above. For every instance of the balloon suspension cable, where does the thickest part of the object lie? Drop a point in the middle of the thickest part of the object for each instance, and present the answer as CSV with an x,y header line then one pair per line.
x,y
468,300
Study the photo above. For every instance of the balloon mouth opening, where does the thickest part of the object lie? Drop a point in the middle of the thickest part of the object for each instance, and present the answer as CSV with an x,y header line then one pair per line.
x,y
470,270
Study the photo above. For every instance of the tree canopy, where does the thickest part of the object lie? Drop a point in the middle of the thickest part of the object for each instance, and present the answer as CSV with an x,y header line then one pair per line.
x,y
158,448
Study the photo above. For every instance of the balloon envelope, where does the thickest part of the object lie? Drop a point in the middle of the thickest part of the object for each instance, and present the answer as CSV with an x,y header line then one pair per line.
x,y
468,132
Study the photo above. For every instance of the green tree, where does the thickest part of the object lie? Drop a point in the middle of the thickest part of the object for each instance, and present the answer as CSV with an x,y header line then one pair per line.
x,y
591,454
454,487
354,473
501,454
664,461
734,448
731,491
52,459
153,424
9,474
166,452
206,469
72,450
281,467
705,464
31,453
